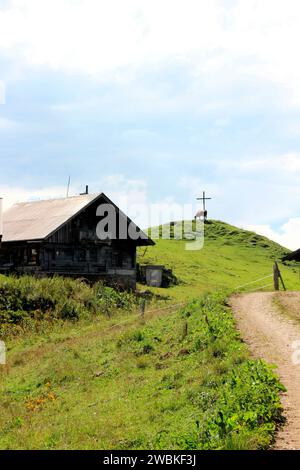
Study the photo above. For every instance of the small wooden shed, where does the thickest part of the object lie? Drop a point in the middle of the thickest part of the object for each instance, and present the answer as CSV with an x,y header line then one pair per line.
x,y
152,274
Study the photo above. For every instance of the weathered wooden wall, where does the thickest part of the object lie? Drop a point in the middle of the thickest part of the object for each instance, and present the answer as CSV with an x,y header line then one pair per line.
x,y
75,249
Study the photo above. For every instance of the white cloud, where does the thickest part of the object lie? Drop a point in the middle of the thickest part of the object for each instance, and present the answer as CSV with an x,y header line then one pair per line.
x,y
288,163
194,187
11,195
139,135
287,235
2,92
6,124
258,191
96,35
241,39
129,194
121,190
133,198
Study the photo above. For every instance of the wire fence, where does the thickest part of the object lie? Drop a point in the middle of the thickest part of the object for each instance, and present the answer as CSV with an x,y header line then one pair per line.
x,y
254,282
147,312
260,288
143,312
277,279
167,308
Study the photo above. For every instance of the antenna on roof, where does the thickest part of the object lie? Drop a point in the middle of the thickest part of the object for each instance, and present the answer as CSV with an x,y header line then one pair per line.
x,y
68,186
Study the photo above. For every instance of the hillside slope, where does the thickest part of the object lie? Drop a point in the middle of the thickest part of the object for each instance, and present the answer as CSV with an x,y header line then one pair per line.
x,y
173,380
107,378
231,257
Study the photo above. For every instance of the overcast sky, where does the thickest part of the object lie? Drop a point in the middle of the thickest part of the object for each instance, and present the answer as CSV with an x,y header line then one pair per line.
x,y
156,100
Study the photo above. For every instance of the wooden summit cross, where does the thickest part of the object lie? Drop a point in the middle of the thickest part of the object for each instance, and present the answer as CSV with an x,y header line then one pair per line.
x,y
203,199
203,213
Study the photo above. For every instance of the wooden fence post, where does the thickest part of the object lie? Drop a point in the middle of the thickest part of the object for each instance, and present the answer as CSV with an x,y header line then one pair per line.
x,y
185,330
276,276
280,276
142,308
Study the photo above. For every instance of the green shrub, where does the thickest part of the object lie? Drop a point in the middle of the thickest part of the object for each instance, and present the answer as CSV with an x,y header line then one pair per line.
x,y
70,310
136,342
109,299
238,401
27,297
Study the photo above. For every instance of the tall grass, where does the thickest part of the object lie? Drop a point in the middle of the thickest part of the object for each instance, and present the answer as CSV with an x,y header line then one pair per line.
x,y
170,380
178,380
26,300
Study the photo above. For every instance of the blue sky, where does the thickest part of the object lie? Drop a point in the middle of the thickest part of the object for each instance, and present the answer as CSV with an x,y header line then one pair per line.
x,y
155,101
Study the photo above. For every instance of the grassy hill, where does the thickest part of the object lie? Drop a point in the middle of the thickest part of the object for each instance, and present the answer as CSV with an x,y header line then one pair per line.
x,y
86,371
231,257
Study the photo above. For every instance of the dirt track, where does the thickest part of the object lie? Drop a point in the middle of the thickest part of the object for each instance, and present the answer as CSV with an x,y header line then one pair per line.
x,y
270,334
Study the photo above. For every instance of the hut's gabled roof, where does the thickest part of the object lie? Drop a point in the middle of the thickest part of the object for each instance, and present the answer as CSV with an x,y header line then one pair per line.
x,y
28,221
37,220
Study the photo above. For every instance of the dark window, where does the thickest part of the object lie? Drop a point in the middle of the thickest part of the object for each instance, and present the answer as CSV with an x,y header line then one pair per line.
x,y
93,255
68,254
120,260
133,260
82,255
117,260
33,256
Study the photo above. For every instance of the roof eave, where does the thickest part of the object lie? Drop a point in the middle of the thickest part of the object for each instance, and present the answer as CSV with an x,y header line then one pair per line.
x,y
97,196
145,242
24,240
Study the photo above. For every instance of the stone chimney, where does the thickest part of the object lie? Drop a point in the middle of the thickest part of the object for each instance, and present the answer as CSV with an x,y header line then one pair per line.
x,y
86,191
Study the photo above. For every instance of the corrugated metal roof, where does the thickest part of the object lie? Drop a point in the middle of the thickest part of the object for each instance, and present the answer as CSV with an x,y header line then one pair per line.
x,y
37,220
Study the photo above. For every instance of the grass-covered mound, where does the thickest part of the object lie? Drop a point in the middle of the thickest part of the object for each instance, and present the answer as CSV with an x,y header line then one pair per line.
x,y
230,258
180,380
225,233
26,301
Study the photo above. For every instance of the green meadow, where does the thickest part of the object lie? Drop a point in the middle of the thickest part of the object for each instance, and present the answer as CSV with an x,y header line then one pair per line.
x,y
86,371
